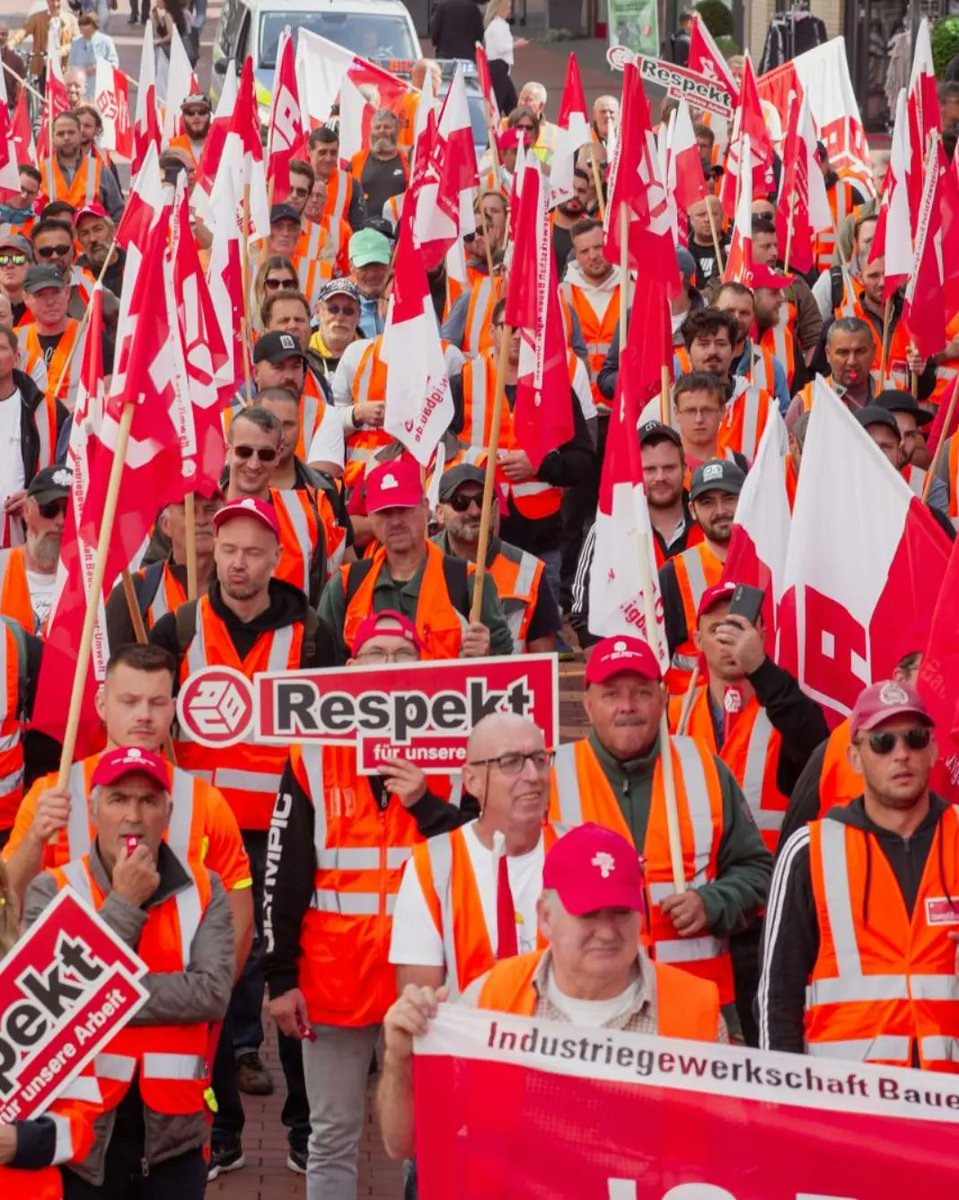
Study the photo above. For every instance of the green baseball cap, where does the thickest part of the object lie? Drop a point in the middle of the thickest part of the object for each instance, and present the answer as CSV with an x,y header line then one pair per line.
x,y
367,246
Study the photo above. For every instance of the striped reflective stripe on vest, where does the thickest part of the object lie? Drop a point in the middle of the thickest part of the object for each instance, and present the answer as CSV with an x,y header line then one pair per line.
x,y
885,1046
440,850
13,780
116,1067
63,1146
301,530
567,785
480,302
517,605
753,402
78,823
352,904
156,1065
755,773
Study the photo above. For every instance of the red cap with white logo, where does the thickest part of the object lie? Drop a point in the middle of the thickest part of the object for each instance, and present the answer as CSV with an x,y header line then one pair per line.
x,y
615,655
397,484
881,701
131,760
592,867
249,506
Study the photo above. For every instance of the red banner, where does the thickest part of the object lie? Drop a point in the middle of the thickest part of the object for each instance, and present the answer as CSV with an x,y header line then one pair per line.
x,y
522,1107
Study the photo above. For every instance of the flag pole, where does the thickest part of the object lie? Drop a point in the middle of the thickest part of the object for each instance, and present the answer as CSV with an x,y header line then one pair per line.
x,y
483,225
597,179
140,632
49,104
623,275
937,457
687,707
665,391
712,229
189,513
23,83
245,275
95,593
789,233
489,482
886,334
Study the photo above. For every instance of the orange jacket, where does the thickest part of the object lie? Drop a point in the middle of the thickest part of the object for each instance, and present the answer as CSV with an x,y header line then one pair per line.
x,y
369,385
599,329
780,341
85,188
61,368
884,984
339,196
518,576
11,728
581,792
300,532
15,598
697,568
485,294
838,782
182,142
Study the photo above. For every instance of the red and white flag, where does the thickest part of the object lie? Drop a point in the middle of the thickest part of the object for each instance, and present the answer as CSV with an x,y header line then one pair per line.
x,y
55,100
9,168
286,135
748,124
840,619
419,404
623,586
893,237
212,151
937,679
112,101
706,57
574,132
181,82
686,165
146,121
924,309
144,204
739,260
803,208
444,205
486,86
925,116
543,413
21,131
241,161
322,65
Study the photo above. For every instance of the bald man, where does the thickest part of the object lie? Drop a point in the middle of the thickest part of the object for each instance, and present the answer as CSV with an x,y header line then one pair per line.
x,y
508,771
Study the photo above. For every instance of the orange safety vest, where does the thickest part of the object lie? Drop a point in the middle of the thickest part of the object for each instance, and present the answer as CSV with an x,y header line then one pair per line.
x,y
85,188
581,792
752,754
15,599
598,331
449,886
405,110
339,196
745,418
697,568
12,728
361,849
248,775
182,142
438,623
485,294
518,576
897,364
312,274
328,241
369,384
299,535
59,369
686,1007
779,341
884,985
75,1138
169,596
172,1062
954,476
838,782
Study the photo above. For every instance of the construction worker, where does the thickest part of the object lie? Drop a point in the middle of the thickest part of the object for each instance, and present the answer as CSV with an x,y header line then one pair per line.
x,y
614,777
409,574
383,170
155,1072
325,913
590,913
75,177
52,335
344,196
859,960
531,611
28,573
850,349
196,113
683,580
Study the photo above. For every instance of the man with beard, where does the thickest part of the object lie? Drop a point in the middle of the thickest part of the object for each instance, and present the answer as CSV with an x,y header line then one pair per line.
x,y
28,572
383,170
750,360
94,231
568,214
197,113
850,349
74,176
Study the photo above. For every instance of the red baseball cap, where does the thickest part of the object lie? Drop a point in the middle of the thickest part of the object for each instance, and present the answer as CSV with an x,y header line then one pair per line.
x,y
592,867
614,655
131,760
397,484
881,701
719,593
249,506
92,210
387,621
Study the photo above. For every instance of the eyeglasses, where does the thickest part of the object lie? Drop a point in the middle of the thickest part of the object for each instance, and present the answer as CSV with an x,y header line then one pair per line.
x,y
265,454
512,764
299,191
273,284
335,310
460,503
60,251
194,112
885,740
53,508
12,260
403,654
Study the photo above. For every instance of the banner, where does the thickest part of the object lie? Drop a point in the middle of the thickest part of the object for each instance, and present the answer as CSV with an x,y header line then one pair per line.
x,y
680,83
422,711
66,988
635,25
566,1113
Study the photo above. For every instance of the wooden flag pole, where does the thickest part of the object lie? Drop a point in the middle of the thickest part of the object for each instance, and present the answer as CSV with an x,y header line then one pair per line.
x,y
247,325
485,229
715,233
665,396
623,276
189,514
886,334
133,606
687,707
593,148
52,177
489,483
23,83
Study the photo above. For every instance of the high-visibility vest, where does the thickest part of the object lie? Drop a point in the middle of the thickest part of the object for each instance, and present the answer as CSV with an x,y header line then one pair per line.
x,y
954,476
582,792
169,596
11,728
752,754
339,196
884,985
948,369
439,624
518,576
485,294
897,364
171,1063
249,774
183,142
358,166
448,883
405,110
15,598
838,782
361,849
328,241
312,274
85,188
746,415
599,329
73,1114
779,341
697,569
63,368
686,1007
369,385
299,535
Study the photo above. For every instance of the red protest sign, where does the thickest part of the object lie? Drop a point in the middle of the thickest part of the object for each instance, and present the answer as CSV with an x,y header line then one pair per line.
x,y
66,988
566,1113
700,91
422,711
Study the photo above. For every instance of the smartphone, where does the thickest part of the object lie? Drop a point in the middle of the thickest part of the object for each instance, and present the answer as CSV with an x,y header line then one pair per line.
x,y
747,602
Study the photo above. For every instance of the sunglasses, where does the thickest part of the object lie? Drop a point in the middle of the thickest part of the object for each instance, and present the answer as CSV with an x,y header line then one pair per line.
x,y
299,191
885,741
265,454
52,251
12,260
194,112
335,310
274,284
460,503
53,508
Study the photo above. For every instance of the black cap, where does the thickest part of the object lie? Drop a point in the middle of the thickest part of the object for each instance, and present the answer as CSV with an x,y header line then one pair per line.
x,y
872,414
284,212
894,400
716,475
456,476
52,483
42,276
656,430
277,346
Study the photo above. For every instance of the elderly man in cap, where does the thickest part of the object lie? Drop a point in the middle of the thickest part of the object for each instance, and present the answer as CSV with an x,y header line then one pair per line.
x,y
176,916
593,971
338,313
285,226
28,573
95,232
197,113
614,776
370,257
859,959
411,575
531,611
383,170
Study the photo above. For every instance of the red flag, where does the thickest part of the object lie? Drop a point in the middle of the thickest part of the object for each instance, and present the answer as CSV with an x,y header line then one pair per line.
x,y
949,194
445,190
286,121
925,116
946,421
55,102
543,412
937,679
803,202
486,85
22,131
924,310
706,57
748,122
112,101
212,151
690,185
143,206
9,169
739,260
574,132
893,237
146,123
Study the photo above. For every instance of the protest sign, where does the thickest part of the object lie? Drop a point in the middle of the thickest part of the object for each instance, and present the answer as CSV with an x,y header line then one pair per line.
x,y
66,988
565,1113
423,711
680,83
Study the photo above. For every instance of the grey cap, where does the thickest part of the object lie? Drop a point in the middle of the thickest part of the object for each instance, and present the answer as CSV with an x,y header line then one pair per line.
x,y
456,476
341,286
872,414
16,241
44,275
717,475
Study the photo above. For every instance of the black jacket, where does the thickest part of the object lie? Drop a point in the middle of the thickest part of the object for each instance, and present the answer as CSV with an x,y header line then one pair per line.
x,y
31,398
791,939
455,28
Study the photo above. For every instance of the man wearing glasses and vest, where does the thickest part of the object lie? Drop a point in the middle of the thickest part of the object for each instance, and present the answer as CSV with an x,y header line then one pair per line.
x,y
614,777
859,960
175,915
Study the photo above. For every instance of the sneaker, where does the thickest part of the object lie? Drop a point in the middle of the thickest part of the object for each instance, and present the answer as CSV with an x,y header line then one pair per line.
x,y
224,1159
296,1161
251,1075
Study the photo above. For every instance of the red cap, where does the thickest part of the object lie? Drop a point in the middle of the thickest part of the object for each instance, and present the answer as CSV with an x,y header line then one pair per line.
x,y
131,760
397,484
881,701
613,655
719,593
249,506
388,621
91,210
592,867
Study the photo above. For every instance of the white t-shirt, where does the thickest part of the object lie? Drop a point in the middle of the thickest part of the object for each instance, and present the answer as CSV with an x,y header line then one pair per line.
x,y
11,455
41,595
327,443
498,40
416,941
591,1013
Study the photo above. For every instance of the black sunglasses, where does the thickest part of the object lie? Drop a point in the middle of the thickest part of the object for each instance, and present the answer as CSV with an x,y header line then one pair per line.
x,y
884,741
50,251
460,503
264,453
52,508
274,285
